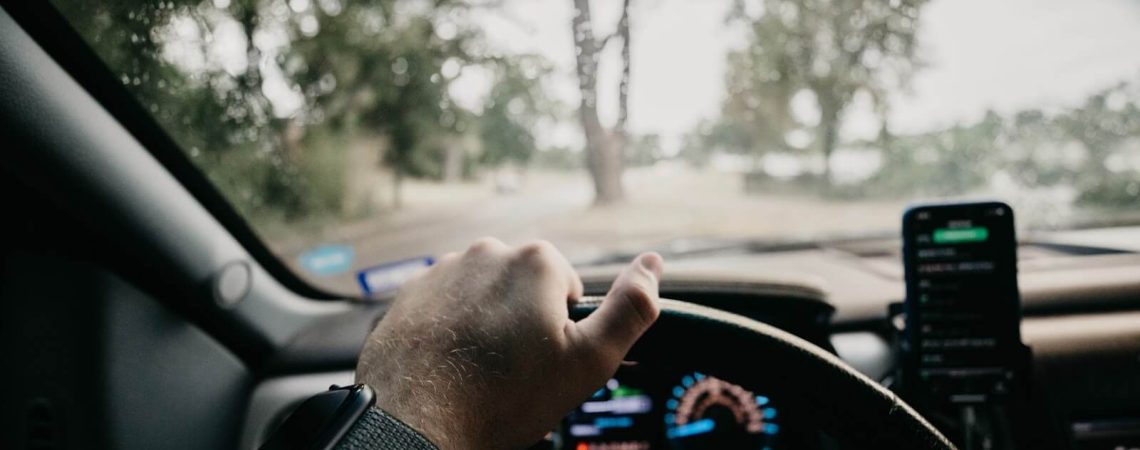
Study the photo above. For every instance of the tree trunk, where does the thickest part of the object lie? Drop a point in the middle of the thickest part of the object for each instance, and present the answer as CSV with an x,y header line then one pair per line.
x,y
453,159
620,135
602,158
829,136
250,80
291,135
623,86
397,187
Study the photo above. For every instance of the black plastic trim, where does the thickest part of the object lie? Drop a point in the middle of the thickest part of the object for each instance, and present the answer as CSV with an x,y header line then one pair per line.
x,y
56,36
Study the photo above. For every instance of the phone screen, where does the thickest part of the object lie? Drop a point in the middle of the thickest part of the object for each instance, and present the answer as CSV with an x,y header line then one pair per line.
x,y
962,303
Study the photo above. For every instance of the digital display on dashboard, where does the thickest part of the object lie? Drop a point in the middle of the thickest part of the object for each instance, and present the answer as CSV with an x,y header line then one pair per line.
x,y
683,410
962,300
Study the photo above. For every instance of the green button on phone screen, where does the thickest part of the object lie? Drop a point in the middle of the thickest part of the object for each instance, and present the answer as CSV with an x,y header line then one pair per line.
x,y
958,235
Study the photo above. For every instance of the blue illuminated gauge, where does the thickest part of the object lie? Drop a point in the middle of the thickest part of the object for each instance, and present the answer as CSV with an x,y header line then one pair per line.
x,y
707,412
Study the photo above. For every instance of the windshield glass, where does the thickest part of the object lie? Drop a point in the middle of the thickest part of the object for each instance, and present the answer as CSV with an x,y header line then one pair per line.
x,y
374,135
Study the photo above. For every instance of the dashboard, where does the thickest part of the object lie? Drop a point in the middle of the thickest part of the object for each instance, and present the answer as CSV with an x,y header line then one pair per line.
x,y
1083,377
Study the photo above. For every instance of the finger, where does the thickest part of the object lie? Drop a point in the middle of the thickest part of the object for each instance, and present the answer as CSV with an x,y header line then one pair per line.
x,y
629,308
543,253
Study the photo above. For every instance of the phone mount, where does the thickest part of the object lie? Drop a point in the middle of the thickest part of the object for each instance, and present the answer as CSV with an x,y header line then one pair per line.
x,y
991,421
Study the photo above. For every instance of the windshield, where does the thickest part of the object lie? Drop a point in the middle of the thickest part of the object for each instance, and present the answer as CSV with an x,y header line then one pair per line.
x,y
362,139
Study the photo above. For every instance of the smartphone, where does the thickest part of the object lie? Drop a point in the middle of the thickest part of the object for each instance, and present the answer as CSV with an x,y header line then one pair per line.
x,y
962,337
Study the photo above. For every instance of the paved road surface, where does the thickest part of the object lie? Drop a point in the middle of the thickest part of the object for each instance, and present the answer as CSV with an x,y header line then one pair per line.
x,y
664,204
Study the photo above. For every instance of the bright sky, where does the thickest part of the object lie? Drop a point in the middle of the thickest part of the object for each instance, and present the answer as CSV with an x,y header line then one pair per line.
x,y
1005,55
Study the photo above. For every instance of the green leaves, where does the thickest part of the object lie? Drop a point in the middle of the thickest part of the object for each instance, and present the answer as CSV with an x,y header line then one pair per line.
x,y
269,97
834,49
512,110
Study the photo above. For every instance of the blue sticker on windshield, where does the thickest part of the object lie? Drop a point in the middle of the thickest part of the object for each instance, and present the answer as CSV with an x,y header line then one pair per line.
x,y
327,259
389,276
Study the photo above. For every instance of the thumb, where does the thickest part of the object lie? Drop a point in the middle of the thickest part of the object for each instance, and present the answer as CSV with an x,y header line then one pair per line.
x,y
629,308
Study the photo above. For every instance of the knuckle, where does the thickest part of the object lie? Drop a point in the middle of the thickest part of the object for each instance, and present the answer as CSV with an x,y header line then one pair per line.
x,y
535,260
537,250
483,245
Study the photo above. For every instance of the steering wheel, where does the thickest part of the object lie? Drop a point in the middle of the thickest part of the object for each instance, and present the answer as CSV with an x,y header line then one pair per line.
x,y
847,405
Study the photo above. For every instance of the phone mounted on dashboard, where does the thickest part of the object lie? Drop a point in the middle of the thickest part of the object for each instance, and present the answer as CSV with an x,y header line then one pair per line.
x,y
962,362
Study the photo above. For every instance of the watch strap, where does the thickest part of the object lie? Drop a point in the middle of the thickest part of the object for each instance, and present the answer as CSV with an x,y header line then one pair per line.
x,y
376,430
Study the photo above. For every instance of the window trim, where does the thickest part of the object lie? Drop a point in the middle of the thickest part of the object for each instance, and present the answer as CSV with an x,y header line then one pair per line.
x,y
47,26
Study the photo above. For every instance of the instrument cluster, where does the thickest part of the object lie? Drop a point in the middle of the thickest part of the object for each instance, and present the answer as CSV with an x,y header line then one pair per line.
x,y
643,409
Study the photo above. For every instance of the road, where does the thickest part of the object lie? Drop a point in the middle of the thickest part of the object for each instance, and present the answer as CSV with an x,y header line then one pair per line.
x,y
663,204
445,218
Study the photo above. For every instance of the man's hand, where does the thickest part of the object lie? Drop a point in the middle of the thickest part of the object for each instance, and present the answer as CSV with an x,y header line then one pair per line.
x,y
479,352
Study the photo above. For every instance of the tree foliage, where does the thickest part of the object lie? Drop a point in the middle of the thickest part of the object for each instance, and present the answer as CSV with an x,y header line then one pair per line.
x,y
515,105
1086,148
267,96
833,49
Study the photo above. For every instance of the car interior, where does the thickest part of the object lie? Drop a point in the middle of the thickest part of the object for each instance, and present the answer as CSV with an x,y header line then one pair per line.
x,y
140,311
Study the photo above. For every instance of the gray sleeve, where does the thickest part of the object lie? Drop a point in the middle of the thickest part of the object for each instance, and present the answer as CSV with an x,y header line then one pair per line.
x,y
377,430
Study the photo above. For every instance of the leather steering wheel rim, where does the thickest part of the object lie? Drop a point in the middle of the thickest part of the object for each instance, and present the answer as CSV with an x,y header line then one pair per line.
x,y
843,402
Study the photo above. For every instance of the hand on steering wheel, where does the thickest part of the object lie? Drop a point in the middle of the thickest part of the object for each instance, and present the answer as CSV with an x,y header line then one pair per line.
x,y
480,352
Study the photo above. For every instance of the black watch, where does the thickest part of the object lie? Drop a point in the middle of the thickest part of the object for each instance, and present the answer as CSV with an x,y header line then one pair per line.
x,y
320,422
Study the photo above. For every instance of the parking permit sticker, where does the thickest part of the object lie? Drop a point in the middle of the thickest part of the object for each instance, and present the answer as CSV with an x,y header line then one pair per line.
x,y
389,276
327,259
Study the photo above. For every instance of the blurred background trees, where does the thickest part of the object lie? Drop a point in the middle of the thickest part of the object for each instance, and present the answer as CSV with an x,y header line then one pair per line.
x,y
829,50
511,111
305,110
286,104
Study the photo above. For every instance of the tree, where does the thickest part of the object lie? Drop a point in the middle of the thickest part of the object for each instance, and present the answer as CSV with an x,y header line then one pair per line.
x,y
1106,125
604,157
1100,127
1033,150
644,150
694,146
387,67
511,111
836,49
221,118
755,115
349,69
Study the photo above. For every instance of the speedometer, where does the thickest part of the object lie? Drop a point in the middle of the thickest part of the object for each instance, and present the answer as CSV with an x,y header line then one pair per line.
x,y
706,412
